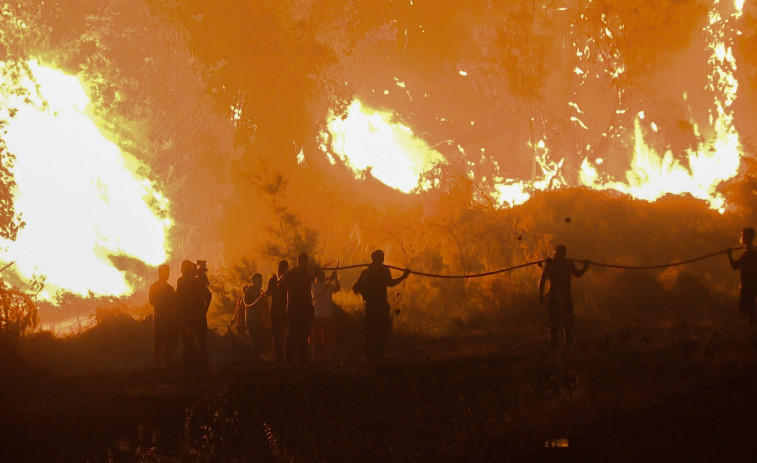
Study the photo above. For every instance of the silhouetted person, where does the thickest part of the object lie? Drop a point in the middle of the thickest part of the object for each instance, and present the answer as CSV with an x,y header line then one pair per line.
x,y
238,321
747,263
192,302
558,271
322,289
163,300
254,304
278,295
372,284
299,309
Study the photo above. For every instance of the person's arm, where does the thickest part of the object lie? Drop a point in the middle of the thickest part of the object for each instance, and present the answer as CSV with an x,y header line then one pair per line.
x,y
261,296
208,296
359,286
579,273
335,279
283,280
542,284
271,286
735,264
235,317
395,281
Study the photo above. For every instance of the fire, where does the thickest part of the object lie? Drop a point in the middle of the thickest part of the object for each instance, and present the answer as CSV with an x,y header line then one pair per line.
x,y
655,174
370,140
80,197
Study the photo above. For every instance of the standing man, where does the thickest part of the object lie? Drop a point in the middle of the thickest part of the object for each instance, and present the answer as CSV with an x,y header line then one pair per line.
x,y
558,271
254,303
372,284
299,309
192,302
278,295
747,263
322,337
163,300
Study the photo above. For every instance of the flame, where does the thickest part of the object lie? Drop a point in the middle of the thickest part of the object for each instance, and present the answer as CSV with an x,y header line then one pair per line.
x,y
654,173
367,140
78,194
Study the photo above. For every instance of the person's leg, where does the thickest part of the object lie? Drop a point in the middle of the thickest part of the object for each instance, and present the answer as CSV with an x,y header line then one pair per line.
x,y
253,337
329,346
382,335
753,325
291,343
202,342
555,322
188,345
156,346
316,338
567,321
370,339
277,334
748,309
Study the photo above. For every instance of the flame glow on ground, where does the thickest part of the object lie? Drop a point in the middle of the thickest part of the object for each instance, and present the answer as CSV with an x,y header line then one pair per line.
x,y
79,196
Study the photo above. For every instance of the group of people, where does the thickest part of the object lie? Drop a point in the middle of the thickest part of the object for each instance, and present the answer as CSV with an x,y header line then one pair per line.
x,y
301,311
301,308
179,316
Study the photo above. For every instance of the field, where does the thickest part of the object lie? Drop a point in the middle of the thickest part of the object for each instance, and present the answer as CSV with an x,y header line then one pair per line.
x,y
671,392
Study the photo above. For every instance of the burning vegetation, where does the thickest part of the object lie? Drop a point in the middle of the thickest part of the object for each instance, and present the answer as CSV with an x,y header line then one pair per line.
x,y
459,137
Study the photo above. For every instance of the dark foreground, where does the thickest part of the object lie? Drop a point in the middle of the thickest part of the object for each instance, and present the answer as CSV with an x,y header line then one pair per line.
x,y
640,394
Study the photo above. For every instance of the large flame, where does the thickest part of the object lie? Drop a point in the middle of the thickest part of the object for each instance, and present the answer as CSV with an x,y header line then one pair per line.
x,y
80,197
371,140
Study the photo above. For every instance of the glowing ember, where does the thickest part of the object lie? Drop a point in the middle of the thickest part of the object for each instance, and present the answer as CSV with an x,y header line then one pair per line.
x,y
369,140
79,196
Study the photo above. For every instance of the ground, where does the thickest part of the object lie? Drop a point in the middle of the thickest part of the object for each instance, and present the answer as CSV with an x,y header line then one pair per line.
x,y
670,392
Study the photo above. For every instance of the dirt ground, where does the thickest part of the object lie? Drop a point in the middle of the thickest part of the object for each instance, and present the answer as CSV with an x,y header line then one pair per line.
x,y
642,393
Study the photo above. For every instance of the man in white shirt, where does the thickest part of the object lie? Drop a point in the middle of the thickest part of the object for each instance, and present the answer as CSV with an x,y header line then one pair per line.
x,y
322,336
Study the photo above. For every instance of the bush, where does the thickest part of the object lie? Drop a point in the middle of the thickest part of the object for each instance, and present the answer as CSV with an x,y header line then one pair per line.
x,y
18,313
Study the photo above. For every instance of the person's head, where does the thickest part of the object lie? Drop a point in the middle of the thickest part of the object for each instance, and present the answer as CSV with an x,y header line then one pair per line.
x,y
283,266
561,251
187,268
377,256
747,236
257,280
320,276
164,271
302,259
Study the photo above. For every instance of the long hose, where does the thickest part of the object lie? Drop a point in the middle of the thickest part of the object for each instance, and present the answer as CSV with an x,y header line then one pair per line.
x,y
539,262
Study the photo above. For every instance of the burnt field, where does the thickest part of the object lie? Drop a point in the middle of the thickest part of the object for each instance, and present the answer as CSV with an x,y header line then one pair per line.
x,y
667,392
